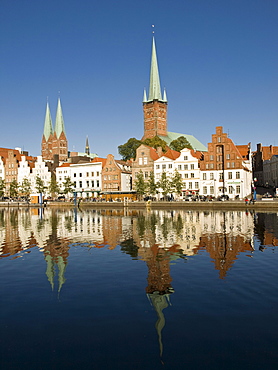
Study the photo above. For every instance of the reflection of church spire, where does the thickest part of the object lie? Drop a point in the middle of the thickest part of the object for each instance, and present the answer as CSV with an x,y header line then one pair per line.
x,y
160,302
50,270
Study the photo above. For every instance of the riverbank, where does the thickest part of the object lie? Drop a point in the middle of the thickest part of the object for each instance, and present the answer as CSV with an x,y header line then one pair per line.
x,y
268,204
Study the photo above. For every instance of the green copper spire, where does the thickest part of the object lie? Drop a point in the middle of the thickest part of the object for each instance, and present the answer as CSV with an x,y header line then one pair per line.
x,y
154,90
48,128
59,124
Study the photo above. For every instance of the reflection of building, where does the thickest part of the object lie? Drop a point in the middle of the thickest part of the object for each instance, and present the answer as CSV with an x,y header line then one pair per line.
x,y
224,236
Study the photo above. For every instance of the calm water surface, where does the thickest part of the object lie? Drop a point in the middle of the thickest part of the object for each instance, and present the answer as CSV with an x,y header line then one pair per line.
x,y
85,289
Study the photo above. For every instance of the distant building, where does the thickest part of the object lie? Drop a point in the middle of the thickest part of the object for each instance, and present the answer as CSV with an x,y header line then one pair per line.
x,y
263,153
54,142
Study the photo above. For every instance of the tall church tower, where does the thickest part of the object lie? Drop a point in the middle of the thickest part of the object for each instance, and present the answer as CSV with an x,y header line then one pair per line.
x,y
155,107
54,142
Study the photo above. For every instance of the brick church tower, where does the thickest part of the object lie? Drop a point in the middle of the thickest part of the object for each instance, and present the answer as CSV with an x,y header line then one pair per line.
x,y
155,107
54,142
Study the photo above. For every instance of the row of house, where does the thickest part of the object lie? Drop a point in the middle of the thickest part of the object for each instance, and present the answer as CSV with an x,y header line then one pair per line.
x,y
224,169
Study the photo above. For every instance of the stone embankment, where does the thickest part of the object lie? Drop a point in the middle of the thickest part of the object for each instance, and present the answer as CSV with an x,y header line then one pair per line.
x,y
263,204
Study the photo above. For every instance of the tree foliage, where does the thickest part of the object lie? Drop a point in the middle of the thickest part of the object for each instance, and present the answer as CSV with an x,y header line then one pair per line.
x,y
180,143
151,185
53,187
128,150
165,184
177,183
139,184
2,187
156,142
25,187
68,186
14,188
39,185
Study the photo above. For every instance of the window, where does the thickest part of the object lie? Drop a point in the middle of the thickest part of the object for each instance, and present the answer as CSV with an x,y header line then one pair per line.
x,y
238,189
219,139
74,175
207,166
92,183
164,166
211,176
211,157
196,185
80,175
146,175
87,174
237,175
220,175
97,173
233,164
80,184
179,167
185,158
227,156
192,166
228,165
205,190
140,161
190,185
230,175
98,183
185,167
211,190
145,160
74,184
211,166
231,190
186,175
88,183
170,165
92,173
157,166
192,175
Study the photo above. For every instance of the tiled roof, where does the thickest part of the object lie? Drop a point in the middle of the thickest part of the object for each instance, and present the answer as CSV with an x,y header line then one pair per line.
x,y
172,154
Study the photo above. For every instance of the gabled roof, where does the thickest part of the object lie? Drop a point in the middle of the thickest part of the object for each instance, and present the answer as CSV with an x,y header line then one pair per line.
x,y
196,144
172,154
97,159
243,150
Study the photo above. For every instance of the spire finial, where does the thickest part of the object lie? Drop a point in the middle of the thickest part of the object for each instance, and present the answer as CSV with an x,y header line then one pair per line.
x,y
153,28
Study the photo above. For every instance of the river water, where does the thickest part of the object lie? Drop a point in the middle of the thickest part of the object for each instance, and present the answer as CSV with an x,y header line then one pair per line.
x,y
114,289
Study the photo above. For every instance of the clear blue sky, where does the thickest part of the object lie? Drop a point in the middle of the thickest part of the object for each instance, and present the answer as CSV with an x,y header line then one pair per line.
x,y
218,60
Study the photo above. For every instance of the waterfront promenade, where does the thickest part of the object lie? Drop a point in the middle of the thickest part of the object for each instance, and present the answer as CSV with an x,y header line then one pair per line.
x,y
270,204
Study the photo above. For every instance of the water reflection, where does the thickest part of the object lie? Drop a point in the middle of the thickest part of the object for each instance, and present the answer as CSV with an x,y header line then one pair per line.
x,y
159,238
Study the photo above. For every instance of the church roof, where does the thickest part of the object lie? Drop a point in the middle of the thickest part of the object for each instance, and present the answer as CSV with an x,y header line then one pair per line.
x,y
195,143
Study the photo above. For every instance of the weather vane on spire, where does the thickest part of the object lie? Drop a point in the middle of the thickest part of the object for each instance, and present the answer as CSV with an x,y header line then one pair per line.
x,y
153,28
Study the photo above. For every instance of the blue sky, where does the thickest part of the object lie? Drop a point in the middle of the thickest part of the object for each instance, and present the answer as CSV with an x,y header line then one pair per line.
x,y
217,60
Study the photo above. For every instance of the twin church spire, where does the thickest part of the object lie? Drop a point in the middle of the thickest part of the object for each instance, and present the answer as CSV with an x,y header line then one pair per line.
x,y
54,142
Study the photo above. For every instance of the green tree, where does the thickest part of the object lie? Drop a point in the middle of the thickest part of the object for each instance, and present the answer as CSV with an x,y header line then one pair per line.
x,y
128,150
39,185
151,185
156,142
25,187
165,184
180,143
14,188
53,187
139,184
176,182
68,186
2,187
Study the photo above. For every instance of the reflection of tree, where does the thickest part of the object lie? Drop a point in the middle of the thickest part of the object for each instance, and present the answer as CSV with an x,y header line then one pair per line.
x,y
2,217
14,218
141,226
178,225
68,223
129,247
